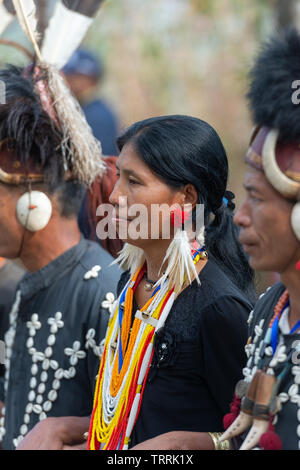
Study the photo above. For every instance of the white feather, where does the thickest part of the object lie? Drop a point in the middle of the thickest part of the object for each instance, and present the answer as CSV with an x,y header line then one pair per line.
x,y
5,17
201,236
180,263
130,257
64,34
26,14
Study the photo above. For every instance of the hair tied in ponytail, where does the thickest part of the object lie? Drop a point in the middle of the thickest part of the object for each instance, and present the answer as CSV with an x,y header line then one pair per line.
x,y
228,198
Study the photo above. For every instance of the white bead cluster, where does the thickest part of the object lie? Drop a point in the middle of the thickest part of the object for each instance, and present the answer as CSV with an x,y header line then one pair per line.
x,y
92,273
253,353
295,396
9,341
109,303
250,350
44,369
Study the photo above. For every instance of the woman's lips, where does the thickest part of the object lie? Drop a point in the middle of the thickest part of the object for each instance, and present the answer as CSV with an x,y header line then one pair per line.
x,y
247,247
120,219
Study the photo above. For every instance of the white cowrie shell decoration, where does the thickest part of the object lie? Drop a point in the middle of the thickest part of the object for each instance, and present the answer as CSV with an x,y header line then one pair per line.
x,y
56,384
293,390
44,376
37,409
73,360
47,406
46,364
39,399
53,364
59,373
32,382
34,369
29,343
29,407
41,388
72,372
52,395
48,351
24,429
31,395
51,340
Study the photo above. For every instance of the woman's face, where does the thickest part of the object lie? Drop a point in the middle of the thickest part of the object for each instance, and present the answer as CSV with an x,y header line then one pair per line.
x,y
142,201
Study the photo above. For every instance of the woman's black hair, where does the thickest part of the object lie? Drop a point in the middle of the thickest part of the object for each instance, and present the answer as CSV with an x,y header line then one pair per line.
x,y
185,150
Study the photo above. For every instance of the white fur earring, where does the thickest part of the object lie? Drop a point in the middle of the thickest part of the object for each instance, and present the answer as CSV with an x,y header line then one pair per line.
x,y
295,220
34,210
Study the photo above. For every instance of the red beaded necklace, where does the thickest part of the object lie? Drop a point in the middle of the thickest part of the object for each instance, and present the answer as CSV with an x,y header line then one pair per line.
x,y
279,307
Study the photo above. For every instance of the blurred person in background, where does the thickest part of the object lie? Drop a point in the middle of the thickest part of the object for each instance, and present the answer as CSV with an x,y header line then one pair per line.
x,y
84,72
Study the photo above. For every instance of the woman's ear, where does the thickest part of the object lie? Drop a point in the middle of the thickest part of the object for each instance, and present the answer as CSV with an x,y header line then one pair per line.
x,y
190,195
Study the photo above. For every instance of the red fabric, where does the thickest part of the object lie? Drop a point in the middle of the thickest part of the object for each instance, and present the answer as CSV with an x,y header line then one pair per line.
x,y
228,420
99,194
287,154
235,407
270,440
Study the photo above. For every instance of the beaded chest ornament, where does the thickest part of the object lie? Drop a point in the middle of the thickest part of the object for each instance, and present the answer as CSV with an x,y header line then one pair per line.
x,y
125,362
256,403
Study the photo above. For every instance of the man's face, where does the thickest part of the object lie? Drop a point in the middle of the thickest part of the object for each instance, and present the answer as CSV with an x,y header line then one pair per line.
x,y
11,232
265,222
81,85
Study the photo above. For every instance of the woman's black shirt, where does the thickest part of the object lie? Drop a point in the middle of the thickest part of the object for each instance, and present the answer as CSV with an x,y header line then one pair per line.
x,y
198,358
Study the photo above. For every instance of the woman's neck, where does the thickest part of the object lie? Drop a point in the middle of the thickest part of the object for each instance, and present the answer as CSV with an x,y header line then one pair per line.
x,y
154,256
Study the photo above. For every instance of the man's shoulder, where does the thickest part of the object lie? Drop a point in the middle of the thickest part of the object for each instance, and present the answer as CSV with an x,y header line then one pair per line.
x,y
95,251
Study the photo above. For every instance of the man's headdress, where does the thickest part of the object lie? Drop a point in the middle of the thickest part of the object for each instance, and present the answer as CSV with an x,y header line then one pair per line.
x,y
80,151
275,143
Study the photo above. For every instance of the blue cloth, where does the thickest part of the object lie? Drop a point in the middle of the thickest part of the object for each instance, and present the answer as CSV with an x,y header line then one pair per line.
x,y
99,115
104,125
84,62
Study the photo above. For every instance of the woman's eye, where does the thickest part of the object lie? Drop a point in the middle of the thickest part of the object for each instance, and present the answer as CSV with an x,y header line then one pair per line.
x,y
131,181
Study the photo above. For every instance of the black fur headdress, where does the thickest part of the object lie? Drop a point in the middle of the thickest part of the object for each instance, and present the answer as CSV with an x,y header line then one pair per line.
x,y
275,70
